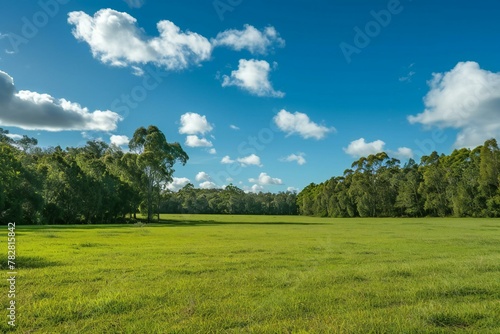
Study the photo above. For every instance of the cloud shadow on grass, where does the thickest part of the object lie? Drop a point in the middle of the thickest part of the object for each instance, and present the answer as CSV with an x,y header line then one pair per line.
x,y
29,262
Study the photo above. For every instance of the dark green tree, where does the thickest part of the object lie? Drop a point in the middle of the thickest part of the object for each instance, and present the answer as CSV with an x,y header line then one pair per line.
x,y
155,158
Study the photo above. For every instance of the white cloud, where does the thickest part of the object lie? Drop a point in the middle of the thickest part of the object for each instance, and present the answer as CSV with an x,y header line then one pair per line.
x,y
293,189
119,140
227,160
208,185
116,39
234,127
193,123
299,123
202,176
252,76
86,135
195,141
251,160
229,179
177,183
360,148
256,188
299,158
135,3
265,180
137,71
403,153
34,111
14,136
408,77
466,98
250,38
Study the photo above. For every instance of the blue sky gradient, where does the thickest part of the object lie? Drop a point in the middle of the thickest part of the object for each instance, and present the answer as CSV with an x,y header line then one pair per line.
x,y
368,94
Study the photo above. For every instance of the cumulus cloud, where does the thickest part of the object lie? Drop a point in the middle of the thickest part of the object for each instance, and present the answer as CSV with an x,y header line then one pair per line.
x,y
227,160
135,3
466,98
250,38
116,39
208,185
300,124
292,189
195,141
234,127
360,148
252,76
403,153
251,160
202,176
212,151
265,180
119,140
299,158
34,111
256,188
193,123
177,183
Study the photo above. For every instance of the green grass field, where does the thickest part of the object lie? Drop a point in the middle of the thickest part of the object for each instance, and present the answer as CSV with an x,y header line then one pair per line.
x,y
245,274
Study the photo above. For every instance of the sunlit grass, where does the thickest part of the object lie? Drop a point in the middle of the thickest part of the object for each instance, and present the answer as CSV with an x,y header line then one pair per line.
x,y
248,274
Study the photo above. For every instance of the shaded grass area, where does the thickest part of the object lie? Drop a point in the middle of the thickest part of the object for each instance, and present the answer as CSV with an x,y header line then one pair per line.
x,y
260,274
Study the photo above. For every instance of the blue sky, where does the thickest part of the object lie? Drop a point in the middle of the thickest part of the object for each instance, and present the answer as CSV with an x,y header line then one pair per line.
x,y
265,95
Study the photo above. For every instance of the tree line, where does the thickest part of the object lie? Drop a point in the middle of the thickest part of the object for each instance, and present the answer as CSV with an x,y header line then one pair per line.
x,y
230,200
462,184
100,183
96,183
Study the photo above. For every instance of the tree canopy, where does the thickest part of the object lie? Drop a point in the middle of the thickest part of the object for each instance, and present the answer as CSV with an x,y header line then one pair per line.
x,y
462,184
99,183
96,183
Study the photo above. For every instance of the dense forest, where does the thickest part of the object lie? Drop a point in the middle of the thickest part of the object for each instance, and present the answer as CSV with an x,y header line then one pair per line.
x,y
462,184
99,183
230,200
96,183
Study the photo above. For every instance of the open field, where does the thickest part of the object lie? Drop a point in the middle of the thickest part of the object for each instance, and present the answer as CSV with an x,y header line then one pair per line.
x,y
245,274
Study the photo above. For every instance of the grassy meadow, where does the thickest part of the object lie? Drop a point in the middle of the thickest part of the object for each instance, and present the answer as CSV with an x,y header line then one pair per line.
x,y
259,274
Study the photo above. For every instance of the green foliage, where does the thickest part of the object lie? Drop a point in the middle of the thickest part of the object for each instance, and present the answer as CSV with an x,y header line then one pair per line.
x,y
230,200
98,183
463,184
155,158
92,184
